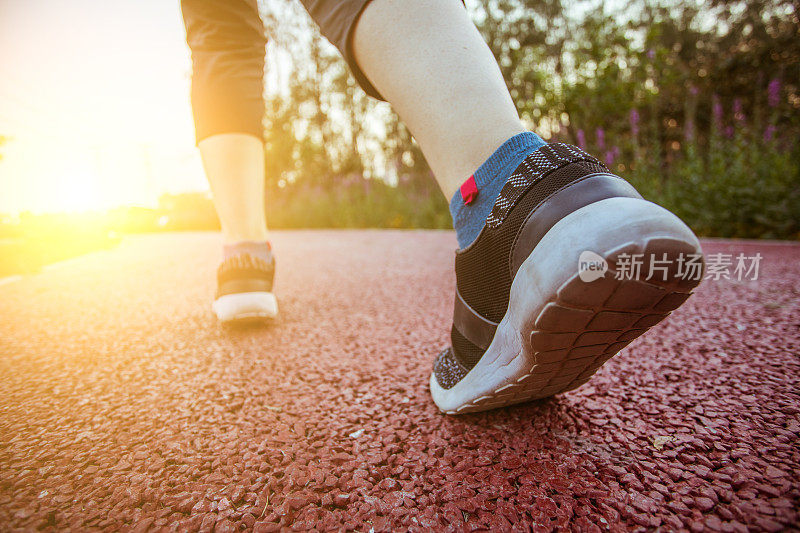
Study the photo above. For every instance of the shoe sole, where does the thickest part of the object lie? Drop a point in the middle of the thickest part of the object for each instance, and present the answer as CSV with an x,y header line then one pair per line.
x,y
246,307
559,330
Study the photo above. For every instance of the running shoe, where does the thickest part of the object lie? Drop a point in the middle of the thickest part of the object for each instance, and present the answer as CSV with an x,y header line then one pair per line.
x,y
244,289
571,266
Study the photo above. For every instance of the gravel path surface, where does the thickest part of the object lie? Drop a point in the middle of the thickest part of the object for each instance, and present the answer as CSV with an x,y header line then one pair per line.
x,y
124,405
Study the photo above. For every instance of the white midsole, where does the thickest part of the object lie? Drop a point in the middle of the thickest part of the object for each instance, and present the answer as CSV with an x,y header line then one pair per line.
x,y
246,305
598,227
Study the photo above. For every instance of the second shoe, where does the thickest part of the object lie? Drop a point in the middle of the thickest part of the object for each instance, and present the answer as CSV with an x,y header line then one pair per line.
x,y
244,288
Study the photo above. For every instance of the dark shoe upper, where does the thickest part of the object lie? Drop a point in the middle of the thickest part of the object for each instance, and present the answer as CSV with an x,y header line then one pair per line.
x,y
245,273
552,182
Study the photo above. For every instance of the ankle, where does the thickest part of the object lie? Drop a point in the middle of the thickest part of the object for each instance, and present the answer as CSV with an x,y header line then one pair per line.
x,y
255,234
260,249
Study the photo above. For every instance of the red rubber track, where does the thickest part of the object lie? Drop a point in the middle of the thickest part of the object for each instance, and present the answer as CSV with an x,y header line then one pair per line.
x,y
124,405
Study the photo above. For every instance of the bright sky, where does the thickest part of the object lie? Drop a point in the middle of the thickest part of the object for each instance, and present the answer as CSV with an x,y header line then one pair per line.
x,y
94,95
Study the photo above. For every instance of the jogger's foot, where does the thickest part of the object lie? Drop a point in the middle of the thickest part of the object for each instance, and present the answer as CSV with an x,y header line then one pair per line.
x,y
526,325
244,287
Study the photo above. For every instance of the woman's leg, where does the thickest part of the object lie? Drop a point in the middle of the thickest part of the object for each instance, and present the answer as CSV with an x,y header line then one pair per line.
x,y
234,164
428,60
227,42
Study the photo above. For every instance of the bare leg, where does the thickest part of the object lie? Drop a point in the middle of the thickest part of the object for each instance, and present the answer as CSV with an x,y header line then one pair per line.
x,y
430,62
234,165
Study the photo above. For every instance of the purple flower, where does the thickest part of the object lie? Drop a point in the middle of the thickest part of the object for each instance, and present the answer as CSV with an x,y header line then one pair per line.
x,y
581,139
774,92
634,117
716,112
738,110
688,132
601,138
611,155
729,132
769,133
694,91
651,54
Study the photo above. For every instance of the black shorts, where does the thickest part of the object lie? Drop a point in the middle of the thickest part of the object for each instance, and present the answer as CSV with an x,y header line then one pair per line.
x,y
227,42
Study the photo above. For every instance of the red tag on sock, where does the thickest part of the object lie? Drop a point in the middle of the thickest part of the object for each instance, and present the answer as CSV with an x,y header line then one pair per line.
x,y
469,190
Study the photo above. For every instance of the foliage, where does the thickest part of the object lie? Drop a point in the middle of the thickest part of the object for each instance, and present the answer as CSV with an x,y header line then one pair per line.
x,y
371,203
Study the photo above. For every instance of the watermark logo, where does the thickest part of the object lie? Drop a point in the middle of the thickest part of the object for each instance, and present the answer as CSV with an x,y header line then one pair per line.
x,y
591,266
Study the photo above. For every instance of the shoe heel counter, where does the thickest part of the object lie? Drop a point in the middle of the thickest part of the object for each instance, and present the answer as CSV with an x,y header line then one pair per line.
x,y
580,193
244,274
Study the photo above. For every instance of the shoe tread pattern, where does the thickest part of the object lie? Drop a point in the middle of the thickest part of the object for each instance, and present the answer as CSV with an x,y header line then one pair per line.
x,y
586,323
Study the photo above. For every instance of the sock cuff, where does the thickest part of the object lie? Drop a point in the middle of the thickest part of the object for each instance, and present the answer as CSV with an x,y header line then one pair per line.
x,y
508,152
484,186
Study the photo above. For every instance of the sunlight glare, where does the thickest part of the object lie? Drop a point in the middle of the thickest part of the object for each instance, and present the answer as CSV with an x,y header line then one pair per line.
x,y
77,192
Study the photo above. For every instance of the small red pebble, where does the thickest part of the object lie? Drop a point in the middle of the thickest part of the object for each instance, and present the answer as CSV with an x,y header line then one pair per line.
x,y
224,526
266,527
704,504
207,525
143,525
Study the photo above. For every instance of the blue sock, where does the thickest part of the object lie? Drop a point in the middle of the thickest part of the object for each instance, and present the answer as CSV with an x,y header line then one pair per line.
x,y
471,205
